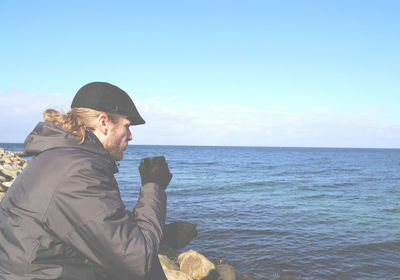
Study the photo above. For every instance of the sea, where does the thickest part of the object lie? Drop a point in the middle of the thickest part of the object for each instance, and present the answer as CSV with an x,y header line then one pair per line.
x,y
274,212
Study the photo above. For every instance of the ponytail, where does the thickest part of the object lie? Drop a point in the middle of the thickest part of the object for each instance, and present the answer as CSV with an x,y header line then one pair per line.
x,y
76,121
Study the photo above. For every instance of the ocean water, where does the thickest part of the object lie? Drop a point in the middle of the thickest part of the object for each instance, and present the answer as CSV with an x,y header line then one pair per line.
x,y
318,213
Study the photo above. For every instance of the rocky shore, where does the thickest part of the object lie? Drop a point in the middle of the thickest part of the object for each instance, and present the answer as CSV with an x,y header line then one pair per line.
x,y
188,265
11,165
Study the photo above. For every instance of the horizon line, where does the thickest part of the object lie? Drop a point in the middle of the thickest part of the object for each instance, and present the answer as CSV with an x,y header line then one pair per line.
x,y
243,146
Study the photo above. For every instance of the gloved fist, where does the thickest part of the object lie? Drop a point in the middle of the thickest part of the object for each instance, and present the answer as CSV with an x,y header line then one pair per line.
x,y
155,170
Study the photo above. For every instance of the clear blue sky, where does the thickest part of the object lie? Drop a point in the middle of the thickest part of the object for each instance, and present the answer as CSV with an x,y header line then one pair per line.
x,y
264,73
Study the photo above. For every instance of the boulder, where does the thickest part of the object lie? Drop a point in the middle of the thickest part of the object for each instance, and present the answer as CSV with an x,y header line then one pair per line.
x,y
7,184
225,270
247,277
20,154
168,263
11,166
179,234
3,188
197,266
288,276
165,250
3,179
10,170
2,194
176,275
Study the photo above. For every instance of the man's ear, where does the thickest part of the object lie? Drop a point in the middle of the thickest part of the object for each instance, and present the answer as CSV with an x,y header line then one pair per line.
x,y
103,124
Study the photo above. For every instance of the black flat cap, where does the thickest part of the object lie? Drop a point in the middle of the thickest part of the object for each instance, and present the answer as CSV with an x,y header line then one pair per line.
x,y
108,98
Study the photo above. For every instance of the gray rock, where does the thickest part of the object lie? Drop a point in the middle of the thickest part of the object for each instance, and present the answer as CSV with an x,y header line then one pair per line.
x,y
247,277
167,263
11,165
20,154
165,250
176,275
225,270
179,234
10,170
7,184
288,276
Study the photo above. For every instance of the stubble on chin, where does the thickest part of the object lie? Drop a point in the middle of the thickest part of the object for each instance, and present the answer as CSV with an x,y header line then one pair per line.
x,y
116,155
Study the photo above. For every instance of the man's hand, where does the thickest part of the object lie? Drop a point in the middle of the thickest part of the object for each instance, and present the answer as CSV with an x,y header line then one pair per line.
x,y
155,169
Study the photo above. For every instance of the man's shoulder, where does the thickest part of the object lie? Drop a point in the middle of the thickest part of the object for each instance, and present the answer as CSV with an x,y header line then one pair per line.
x,y
70,153
71,158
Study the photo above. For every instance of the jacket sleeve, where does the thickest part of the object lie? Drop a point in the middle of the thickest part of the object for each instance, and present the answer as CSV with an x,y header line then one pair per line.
x,y
88,213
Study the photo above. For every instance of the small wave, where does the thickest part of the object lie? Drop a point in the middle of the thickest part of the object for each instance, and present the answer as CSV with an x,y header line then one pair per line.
x,y
206,163
318,196
316,172
208,189
262,183
260,232
391,210
373,247
328,171
336,185
278,275
343,184
347,169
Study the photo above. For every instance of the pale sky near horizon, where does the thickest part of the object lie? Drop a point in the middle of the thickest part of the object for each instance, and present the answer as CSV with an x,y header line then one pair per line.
x,y
252,73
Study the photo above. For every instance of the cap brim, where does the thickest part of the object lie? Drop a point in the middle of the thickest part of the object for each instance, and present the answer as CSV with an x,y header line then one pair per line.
x,y
138,120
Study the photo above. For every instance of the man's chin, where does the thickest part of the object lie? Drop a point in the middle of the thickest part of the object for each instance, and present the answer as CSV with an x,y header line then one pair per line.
x,y
118,157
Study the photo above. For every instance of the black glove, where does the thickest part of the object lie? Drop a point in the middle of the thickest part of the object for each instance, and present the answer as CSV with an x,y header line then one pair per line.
x,y
155,169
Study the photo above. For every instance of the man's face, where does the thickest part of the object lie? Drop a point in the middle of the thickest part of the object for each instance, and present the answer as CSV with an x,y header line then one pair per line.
x,y
118,138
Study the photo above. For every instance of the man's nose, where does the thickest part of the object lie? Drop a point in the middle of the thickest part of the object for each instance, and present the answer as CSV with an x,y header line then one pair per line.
x,y
129,135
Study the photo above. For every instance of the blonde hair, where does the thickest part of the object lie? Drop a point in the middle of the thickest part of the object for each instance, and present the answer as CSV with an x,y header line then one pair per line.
x,y
77,120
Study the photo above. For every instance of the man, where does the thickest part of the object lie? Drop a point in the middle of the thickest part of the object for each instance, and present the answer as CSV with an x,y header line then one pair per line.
x,y
63,217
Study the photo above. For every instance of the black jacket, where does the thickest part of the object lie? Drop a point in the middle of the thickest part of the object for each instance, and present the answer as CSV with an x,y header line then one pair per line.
x,y
63,218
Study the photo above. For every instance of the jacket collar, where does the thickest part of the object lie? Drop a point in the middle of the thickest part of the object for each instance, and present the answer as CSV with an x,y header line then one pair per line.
x,y
46,136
